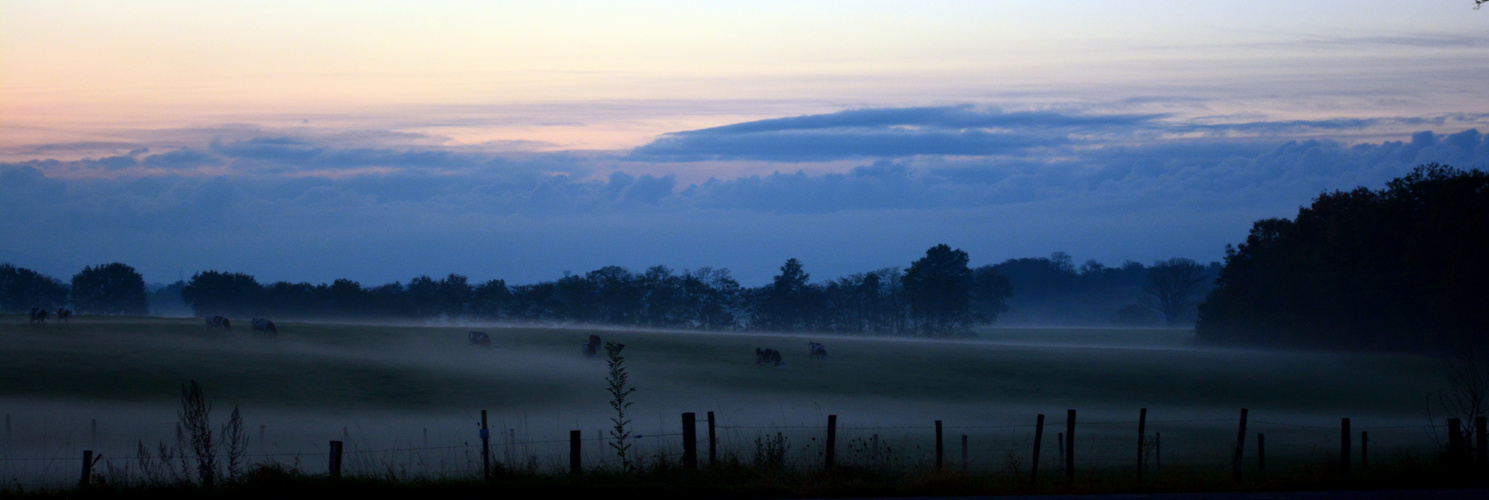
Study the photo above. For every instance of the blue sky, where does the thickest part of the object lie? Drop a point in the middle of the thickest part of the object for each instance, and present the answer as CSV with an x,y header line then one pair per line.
x,y
380,141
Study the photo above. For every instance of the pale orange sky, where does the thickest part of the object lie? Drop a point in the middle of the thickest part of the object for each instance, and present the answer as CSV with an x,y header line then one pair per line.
x,y
553,76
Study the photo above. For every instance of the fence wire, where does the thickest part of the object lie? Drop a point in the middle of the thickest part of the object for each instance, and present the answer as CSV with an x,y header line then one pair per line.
x,y
983,448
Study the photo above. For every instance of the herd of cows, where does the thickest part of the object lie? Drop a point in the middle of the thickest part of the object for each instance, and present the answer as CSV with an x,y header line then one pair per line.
x,y
39,315
590,349
260,325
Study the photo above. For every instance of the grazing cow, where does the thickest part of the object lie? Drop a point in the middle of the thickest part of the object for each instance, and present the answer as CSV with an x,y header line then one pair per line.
x,y
38,315
265,326
219,322
817,351
592,348
767,355
63,314
480,339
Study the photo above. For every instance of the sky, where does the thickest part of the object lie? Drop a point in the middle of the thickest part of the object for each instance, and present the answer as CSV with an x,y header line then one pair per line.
x,y
382,140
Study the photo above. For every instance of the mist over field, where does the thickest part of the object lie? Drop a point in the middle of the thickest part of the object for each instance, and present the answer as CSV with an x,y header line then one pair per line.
x,y
385,387
1245,218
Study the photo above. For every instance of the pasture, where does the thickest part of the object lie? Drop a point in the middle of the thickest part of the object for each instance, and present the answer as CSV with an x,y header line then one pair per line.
x,y
108,383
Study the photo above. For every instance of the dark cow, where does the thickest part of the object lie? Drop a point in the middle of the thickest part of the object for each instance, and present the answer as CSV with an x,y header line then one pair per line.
x,y
261,325
592,348
480,339
38,315
63,313
219,322
767,355
817,351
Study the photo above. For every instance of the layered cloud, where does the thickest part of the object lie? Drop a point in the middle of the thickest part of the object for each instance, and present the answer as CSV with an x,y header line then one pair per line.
x,y
1007,184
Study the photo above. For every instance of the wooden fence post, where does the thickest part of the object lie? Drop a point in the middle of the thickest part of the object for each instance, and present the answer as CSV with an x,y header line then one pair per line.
x,y
690,440
1069,447
1142,427
1364,450
1060,450
1038,439
485,448
832,441
335,466
1344,451
964,453
713,452
1261,451
511,441
574,452
1455,441
87,468
1235,466
1481,435
939,455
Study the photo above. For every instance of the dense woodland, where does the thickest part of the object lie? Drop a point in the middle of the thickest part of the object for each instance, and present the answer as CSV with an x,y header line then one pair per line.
x,y
937,295
1401,268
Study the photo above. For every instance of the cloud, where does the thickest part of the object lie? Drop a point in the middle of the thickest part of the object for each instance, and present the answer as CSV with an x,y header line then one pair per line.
x,y
883,133
1131,186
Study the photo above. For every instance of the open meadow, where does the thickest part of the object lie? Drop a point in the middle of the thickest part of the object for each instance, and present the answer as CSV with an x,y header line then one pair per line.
x,y
407,399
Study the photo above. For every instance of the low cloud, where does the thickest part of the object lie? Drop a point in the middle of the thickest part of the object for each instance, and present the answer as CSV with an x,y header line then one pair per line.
x,y
882,133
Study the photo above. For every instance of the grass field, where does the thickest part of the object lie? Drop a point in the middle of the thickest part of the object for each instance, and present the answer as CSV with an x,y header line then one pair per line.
x,y
386,386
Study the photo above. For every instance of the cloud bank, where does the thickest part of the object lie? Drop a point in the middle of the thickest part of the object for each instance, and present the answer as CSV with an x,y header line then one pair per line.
x,y
999,184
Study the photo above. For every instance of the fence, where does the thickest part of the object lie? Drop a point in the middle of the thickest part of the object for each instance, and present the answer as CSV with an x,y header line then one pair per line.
x,y
1044,446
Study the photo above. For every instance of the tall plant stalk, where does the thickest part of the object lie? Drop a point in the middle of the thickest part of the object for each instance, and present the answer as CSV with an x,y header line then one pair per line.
x,y
617,386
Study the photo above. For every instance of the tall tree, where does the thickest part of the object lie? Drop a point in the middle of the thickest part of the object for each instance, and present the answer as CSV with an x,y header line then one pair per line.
x,y
232,294
1174,287
112,288
22,289
939,287
990,293
783,301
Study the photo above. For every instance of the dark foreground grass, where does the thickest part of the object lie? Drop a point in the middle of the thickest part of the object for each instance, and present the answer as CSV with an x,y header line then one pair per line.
x,y
733,479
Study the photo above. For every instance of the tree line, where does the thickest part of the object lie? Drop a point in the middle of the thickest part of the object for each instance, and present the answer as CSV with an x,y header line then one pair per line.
x,y
1401,268
106,289
938,295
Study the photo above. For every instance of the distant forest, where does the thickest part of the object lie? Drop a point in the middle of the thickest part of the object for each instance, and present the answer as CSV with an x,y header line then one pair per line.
x,y
1401,268
937,295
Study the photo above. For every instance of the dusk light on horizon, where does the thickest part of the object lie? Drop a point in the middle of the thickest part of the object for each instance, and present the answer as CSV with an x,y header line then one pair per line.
x,y
378,141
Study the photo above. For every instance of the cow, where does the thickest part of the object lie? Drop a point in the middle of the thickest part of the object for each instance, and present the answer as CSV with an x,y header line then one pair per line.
x,y
817,351
63,313
479,339
38,315
591,348
219,322
265,326
768,355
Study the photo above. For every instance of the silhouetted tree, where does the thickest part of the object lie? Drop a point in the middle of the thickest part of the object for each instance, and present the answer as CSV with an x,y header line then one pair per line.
x,y
939,287
1174,286
1399,268
782,302
491,299
990,293
109,289
22,289
231,294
